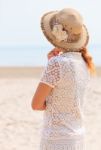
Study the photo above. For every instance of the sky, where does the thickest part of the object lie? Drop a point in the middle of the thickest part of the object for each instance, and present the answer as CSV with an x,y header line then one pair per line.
x,y
20,20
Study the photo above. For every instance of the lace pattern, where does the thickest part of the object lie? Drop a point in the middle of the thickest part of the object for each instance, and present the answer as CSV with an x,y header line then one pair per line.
x,y
63,145
51,74
63,117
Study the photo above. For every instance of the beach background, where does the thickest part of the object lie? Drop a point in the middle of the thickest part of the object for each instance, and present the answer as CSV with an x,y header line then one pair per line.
x,y
23,57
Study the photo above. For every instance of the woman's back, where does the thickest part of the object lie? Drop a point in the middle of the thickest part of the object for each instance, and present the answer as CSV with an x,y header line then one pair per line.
x,y
69,76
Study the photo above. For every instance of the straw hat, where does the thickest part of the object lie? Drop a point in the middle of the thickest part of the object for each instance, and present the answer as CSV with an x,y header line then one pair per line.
x,y
65,29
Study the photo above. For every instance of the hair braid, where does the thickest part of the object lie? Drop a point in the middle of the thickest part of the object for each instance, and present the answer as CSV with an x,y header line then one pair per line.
x,y
89,61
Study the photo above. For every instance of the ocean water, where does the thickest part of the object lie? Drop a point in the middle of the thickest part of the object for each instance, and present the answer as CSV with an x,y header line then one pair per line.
x,y
30,56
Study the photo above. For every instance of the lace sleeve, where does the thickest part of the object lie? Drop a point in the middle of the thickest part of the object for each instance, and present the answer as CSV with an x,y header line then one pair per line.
x,y
51,73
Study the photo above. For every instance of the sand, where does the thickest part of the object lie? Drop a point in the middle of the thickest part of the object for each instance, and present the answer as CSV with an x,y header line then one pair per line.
x,y
20,126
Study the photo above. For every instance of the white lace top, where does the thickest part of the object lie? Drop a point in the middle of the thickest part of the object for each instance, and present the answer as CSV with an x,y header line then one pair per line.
x,y
63,118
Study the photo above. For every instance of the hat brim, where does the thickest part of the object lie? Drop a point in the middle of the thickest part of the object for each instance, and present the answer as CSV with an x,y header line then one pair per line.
x,y
45,25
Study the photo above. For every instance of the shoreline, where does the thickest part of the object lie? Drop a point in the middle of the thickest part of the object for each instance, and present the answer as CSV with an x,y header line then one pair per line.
x,y
17,72
26,72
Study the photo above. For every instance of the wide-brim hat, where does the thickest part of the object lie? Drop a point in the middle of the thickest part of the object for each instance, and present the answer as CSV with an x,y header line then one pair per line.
x,y
65,29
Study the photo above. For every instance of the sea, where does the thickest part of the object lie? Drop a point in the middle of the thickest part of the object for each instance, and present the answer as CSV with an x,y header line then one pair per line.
x,y
35,56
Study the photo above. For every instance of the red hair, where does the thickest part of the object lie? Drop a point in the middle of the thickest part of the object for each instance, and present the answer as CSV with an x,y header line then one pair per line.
x,y
89,61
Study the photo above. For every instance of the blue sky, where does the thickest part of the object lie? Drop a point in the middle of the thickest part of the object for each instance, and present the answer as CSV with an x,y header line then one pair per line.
x,y
20,20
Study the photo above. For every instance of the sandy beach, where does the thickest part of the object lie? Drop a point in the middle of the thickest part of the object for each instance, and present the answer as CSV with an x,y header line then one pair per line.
x,y
20,126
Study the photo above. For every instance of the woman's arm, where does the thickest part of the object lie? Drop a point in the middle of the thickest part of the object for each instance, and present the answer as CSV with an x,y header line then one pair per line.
x,y
38,100
43,90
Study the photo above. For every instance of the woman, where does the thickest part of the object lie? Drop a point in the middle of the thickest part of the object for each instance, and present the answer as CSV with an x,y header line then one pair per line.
x,y
64,81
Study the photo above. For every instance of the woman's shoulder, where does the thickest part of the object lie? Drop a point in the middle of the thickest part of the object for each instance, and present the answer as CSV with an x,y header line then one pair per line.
x,y
59,60
53,60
